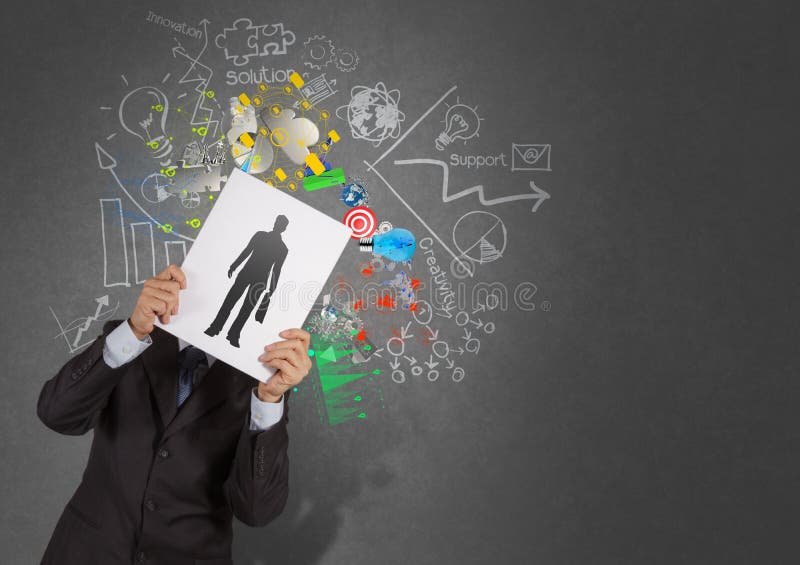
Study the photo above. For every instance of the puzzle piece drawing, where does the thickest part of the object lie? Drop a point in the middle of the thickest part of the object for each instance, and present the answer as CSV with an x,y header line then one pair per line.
x,y
274,39
244,40
240,42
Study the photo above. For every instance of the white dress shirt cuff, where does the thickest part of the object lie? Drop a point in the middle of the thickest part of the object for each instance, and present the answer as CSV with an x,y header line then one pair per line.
x,y
264,415
122,345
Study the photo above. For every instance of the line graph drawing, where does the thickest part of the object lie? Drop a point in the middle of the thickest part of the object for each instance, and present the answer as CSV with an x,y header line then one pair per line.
x,y
538,194
172,256
113,246
79,326
142,254
194,75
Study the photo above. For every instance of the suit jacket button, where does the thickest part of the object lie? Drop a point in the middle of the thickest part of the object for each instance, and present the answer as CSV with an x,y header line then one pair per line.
x,y
140,557
163,454
150,504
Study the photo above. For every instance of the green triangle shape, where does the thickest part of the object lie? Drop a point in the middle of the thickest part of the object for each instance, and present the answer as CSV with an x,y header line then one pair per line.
x,y
335,381
328,355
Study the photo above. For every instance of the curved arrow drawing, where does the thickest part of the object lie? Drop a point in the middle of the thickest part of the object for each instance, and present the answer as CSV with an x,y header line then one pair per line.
x,y
108,163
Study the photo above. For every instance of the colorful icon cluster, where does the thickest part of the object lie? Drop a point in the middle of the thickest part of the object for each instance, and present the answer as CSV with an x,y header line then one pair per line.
x,y
396,244
276,134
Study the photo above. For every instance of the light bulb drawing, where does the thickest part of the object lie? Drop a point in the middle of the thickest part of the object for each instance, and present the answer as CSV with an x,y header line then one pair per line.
x,y
143,114
396,245
461,122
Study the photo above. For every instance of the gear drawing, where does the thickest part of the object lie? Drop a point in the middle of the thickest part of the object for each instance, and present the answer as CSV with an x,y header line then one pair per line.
x,y
318,51
346,59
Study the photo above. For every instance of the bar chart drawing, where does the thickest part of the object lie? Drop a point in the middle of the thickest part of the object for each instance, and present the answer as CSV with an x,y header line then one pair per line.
x,y
115,272
178,253
144,255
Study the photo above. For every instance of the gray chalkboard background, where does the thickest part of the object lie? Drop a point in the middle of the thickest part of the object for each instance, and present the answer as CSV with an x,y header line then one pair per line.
x,y
638,407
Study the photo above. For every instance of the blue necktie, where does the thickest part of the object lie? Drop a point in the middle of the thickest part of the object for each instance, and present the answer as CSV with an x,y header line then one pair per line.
x,y
189,359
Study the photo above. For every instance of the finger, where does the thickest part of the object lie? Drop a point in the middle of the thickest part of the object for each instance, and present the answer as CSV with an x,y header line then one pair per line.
x,y
155,306
282,365
291,355
169,286
286,344
173,272
170,299
297,333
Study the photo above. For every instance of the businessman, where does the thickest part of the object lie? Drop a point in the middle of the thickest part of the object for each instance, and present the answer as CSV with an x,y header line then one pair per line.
x,y
265,253
182,442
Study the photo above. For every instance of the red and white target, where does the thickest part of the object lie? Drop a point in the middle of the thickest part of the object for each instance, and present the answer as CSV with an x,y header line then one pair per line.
x,y
361,220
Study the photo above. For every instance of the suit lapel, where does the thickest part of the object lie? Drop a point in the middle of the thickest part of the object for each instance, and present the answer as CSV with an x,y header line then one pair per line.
x,y
161,365
206,395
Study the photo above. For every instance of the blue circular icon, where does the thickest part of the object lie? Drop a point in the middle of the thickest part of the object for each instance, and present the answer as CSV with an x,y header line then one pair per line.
x,y
354,194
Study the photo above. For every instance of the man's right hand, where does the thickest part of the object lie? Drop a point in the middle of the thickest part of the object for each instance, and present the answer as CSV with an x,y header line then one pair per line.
x,y
159,297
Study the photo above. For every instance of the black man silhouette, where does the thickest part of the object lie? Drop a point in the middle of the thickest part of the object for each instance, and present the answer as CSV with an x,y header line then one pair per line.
x,y
265,254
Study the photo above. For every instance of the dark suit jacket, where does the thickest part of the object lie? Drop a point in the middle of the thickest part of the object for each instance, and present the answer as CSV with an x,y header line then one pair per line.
x,y
162,483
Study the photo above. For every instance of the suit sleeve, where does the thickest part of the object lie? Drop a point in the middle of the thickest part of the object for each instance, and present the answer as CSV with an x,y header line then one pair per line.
x,y
257,487
71,402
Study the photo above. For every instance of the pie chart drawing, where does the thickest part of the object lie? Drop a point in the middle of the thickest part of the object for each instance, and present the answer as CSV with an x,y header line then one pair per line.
x,y
480,236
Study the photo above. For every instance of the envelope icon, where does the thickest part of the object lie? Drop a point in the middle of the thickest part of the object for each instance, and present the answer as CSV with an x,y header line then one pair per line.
x,y
530,157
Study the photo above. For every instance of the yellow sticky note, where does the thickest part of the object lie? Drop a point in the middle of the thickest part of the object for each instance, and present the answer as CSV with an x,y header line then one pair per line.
x,y
315,164
246,139
280,174
334,136
243,98
296,79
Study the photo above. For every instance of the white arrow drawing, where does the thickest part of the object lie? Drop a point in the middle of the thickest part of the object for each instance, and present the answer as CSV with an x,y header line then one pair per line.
x,y
395,363
101,301
434,334
412,360
404,331
108,163
538,194
431,363
202,83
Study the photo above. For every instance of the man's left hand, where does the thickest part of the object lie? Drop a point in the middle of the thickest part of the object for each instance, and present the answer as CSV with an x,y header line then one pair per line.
x,y
290,358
